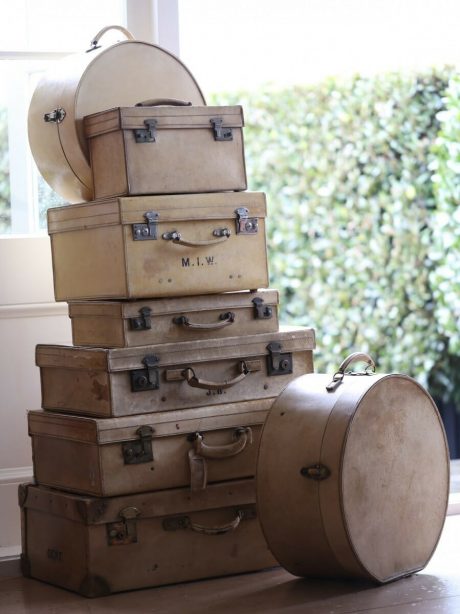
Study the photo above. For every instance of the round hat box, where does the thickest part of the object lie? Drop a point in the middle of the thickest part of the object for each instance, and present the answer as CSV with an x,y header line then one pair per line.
x,y
353,475
122,74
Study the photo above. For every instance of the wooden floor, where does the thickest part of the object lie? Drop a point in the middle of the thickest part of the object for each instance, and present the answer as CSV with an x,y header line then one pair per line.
x,y
436,590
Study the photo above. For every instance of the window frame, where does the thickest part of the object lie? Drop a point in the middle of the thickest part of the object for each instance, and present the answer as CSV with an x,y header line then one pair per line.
x,y
155,21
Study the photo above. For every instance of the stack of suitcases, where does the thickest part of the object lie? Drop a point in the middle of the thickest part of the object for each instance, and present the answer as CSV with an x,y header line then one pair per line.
x,y
145,450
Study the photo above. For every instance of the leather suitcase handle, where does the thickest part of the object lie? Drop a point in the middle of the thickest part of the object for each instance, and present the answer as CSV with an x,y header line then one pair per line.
x,y
219,529
175,237
196,382
356,357
340,373
157,102
100,34
225,319
242,437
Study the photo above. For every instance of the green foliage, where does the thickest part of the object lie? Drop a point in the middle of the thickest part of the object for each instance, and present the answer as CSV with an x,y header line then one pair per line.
x,y
346,167
5,204
445,250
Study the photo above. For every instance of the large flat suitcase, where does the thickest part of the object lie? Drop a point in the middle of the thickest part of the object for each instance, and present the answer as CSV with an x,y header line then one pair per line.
x,y
136,323
97,546
123,381
118,456
159,246
166,149
363,461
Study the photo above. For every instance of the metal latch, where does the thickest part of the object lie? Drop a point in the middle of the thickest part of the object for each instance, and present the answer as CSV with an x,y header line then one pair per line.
x,y
221,133
140,450
55,116
261,311
147,134
278,363
148,230
148,378
316,472
245,225
125,531
142,321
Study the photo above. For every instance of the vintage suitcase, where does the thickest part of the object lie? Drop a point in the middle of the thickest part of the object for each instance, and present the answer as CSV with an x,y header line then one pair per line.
x,y
123,381
97,546
159,246
166,149
87,82
118,456
136,323
364,465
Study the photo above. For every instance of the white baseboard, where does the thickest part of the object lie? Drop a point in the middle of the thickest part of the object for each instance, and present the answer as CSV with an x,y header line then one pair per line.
x,y
10,531
16,475
10,566
33,310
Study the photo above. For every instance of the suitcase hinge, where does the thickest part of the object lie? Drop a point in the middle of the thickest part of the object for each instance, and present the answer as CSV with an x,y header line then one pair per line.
x,y
221,133
55,116
261,311
125,531
140,450
148,230
245,225
147,134
278,363
148,378
143,321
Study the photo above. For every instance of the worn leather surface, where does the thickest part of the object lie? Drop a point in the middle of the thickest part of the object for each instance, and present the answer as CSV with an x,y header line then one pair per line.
x,y
91,452
122,74
97,381
107,323
66,538
95,256
380,512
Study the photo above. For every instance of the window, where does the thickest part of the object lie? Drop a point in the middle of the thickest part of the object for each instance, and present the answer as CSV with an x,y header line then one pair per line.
x,y
39,32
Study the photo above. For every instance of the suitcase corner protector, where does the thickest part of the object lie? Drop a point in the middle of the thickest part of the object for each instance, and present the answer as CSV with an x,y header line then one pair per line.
x,y
94,586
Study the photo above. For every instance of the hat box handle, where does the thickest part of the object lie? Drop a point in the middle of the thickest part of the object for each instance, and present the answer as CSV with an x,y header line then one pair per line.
x,y
95,42
170,102
341,371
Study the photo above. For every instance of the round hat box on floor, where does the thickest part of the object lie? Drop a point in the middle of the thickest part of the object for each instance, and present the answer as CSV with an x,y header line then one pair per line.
x,y
122,74
353,475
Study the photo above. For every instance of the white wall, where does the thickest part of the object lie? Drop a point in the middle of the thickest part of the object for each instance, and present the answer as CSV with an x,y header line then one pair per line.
x,y
28,315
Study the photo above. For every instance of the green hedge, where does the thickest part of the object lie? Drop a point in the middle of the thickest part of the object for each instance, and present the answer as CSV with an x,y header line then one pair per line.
x,y
5,208
348,169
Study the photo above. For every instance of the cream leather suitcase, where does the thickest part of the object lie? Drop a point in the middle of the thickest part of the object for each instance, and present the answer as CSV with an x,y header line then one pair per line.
x,y
159,246
136,323
166,149
119,456
363,463
96,79
97,546
123,381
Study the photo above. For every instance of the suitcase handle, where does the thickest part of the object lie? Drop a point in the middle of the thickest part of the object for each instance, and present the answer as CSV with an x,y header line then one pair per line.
x,y
341,371
177,523
225,319
195,382
242,437
219,529
94,43
157,102
175,237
